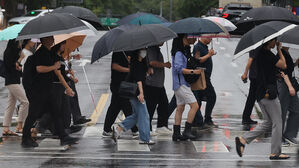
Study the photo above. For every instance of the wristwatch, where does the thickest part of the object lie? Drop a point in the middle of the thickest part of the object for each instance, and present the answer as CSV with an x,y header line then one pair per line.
x,y
192,71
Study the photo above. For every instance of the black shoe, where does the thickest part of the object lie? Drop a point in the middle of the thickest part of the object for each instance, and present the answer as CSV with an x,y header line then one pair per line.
x,y
210,123
187,134
73,129
67,140
29,143
82,120
248,122
177,136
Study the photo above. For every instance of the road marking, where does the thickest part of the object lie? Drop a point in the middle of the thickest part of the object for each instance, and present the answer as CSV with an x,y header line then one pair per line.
x,y
92,131
99,109
131,145
227,55
222,48
234,64
210,146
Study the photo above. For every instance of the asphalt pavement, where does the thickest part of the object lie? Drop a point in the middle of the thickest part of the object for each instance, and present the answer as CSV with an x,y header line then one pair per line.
x,y
214,148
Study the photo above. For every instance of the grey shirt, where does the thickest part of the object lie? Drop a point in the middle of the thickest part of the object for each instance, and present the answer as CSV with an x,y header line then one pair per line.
x,y
156,79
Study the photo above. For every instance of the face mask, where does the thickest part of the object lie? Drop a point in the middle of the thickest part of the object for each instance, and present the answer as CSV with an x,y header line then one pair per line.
x,y
143,53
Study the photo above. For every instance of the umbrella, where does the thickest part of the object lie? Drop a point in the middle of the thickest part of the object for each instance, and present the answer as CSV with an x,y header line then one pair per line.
x,y
131,37
11,32
290,37
81,13
257,16
51,24
141,18
228,25
195,26
92,31
73,41
260,35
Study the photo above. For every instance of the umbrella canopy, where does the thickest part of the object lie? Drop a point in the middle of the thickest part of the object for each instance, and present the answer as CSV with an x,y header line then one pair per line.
x,y
141,18
89,32
131,37
51,24
11,32
228,25
257,16
260,35
82,13
73,41
195,26
290,37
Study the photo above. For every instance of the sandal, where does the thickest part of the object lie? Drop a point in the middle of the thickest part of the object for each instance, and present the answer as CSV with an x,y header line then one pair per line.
x,y
9,133
239,146
281,156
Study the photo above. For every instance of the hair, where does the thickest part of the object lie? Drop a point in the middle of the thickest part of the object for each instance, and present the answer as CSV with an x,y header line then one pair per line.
x,y
267,43
12,47
177,44
55,48
25,42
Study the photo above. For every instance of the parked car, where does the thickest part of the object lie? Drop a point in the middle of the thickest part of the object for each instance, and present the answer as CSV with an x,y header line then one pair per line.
x,y
28,16
234,11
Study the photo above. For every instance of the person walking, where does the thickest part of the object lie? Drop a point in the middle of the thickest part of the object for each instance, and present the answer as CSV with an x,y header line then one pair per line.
x,y
119,71
267,64
41,94
154,91
13,70
140,116
180,50
289,101
251,98
204,55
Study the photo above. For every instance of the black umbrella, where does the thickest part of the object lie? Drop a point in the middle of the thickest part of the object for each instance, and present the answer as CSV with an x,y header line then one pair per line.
x,y
141,18
131,37
260,35
257,16
291,37
51,24
81,13
195,26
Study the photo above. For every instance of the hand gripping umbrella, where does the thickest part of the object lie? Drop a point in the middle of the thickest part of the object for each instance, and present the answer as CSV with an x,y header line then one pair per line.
x,y
260,35
51,24
131,37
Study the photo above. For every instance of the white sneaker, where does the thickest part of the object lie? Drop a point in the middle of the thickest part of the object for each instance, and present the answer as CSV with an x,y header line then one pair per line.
x,y
150,142
135,135
107,134
163,131
152,133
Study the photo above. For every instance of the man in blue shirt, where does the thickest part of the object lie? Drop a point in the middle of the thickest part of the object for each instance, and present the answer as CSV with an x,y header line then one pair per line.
x,y
201,52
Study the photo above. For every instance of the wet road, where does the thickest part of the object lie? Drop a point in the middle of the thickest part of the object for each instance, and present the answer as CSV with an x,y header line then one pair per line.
x,y
214,148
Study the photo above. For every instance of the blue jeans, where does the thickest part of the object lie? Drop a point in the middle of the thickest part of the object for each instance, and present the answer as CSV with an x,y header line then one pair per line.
x,y
141,117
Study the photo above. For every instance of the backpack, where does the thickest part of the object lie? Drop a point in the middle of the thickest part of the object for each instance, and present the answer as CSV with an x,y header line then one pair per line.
x,y
29,72
2,69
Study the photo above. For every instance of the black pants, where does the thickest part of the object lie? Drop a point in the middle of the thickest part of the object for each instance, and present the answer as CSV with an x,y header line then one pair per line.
x,y
42,100
155,96
117,104
74,103
250,100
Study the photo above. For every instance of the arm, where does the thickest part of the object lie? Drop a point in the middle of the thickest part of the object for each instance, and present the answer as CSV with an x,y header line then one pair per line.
x,y
245,74
46,69
281,63
179,67
158,64
119,68
206,57
141,95
69,91
289,84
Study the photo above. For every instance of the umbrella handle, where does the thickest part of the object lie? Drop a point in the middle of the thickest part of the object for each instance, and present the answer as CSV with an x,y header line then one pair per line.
x,y
91,95
167,51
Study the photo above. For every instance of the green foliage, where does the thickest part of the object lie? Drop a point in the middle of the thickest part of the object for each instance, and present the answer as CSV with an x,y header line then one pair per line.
x,y
195,8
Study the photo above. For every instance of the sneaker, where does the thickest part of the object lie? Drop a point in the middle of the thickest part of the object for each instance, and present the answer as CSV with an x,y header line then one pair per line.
x,y
107,134
82,120
163,131
210,124
285,144
73,129
68,140
152,133
150,142
248,122
135,134
29,143
291,141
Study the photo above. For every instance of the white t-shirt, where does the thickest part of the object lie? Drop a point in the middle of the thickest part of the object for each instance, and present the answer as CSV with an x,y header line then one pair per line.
x,y
26,53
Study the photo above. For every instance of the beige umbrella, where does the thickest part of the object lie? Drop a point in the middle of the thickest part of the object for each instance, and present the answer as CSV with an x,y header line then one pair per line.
x,y
73,41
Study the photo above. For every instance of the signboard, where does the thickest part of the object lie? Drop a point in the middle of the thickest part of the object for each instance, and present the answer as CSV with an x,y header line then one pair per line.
x,y
109,21
73,1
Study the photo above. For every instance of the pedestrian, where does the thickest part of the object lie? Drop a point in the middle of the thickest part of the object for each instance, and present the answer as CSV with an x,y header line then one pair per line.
x,y
267,64
180,50
140,116
42,94
289,101
28,46
154,91
119,71
13,70
204,55
251,98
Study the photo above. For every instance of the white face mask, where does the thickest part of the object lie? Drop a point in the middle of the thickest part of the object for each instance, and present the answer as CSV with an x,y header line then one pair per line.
x,y
143,53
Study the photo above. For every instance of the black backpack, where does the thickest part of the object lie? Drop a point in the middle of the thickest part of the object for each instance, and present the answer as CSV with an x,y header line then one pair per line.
x,y
192,63
29,72
2,69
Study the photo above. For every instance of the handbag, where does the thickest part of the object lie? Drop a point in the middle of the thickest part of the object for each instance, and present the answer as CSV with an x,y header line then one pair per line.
x,y
192,63
200,83
128,90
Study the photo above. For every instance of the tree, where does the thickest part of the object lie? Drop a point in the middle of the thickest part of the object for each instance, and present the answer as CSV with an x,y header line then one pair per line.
x,y
195,8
